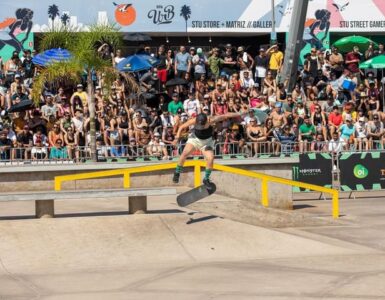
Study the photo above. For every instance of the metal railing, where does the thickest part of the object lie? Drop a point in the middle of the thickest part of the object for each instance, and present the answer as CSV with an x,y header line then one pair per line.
x,y
197,165
123,153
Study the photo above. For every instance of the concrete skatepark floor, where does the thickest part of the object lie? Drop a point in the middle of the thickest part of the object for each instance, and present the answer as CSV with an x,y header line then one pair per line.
x,y
94,250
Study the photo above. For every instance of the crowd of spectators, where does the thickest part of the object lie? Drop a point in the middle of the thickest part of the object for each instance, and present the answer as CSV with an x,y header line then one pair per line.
x,y
333,106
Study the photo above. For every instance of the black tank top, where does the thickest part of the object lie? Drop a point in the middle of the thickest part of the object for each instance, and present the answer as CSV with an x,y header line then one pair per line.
x,y
123,124
204,134
317,119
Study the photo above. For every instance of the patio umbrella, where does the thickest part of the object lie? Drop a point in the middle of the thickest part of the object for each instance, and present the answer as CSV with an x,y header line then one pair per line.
x,y
136,37
51,56
176,81
346,44
377,62
22,106
260,115
136,63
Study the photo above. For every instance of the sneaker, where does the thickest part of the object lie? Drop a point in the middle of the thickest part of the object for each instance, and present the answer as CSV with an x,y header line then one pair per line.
x,y
207,182
175,178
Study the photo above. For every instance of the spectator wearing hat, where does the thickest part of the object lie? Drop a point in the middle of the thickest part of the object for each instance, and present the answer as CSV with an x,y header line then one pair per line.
x,y
278,116
182,63
245,62
376,132
175,104
247,81
215,62
256,135
191,105
81,94
306,136
157,148
17,82
19,95
261,65
361,135
275,59
347,131
199,61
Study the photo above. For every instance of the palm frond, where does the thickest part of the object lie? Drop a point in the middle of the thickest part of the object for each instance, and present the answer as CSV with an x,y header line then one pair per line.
x,y
60,73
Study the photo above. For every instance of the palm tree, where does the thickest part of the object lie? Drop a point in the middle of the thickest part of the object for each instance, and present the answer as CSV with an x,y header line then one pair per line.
x,y
85,58
185,12
65,19
53,12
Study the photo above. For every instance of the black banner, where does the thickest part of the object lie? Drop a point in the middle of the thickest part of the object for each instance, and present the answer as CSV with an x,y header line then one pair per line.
x,y
362,171
314,168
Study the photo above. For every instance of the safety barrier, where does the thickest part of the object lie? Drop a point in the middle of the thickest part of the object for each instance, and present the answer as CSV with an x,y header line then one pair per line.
x,y
124,153
197,165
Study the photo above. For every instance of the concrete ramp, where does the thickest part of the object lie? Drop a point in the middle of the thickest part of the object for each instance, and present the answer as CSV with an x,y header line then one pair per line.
x,y
65,244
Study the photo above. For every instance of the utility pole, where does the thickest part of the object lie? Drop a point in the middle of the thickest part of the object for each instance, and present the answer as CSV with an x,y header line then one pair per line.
x,y
273,34
294,44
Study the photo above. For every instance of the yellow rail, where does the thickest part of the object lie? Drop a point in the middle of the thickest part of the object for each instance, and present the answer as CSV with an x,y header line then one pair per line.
x,y
265,179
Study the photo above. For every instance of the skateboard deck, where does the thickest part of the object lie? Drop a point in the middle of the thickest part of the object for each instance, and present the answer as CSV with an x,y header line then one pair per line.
x,y
195,194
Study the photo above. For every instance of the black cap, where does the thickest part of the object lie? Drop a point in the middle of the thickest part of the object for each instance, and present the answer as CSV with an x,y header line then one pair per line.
x,y
201,121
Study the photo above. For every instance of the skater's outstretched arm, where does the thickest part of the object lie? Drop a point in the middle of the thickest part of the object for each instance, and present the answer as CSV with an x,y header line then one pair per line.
x,y
221,118
183,127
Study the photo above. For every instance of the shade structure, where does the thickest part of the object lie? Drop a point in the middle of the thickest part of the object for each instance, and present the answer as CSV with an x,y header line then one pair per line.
x,y
136,37
347,43
377,62
136,63
51,56
176,81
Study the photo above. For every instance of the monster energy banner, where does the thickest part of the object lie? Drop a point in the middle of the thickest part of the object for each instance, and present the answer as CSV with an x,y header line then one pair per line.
x,y
362,171
314,168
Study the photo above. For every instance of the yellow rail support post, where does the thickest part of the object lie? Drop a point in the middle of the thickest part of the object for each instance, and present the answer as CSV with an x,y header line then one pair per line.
x,y
265,193
197,175
57,184
126,180
335,205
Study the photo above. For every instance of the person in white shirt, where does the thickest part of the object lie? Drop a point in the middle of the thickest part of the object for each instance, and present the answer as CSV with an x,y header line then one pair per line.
x,y
191,106
118,57
167,119
247,81
336,144
361,135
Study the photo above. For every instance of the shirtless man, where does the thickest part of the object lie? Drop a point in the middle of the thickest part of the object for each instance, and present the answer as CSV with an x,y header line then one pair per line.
x,y
278,116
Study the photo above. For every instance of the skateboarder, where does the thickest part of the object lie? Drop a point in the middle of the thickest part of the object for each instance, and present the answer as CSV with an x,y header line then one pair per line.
x,y
200,139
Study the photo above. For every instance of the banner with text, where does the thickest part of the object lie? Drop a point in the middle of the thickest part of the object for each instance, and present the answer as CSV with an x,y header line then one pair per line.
x,y
362,171
165,16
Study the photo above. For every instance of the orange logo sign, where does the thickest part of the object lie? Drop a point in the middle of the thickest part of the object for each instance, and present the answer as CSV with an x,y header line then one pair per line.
x,y
125,14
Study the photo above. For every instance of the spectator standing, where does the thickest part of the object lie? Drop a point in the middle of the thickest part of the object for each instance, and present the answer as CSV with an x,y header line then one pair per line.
x,y
275,59
199,61
182,62
261,65
245,62
162,66
352,61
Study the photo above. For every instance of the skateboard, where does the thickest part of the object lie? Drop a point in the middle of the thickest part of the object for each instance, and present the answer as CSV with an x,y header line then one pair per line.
x,y
196,194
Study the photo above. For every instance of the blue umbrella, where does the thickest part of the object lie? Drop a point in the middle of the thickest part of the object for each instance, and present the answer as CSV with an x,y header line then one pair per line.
x,y
51,56
136,63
